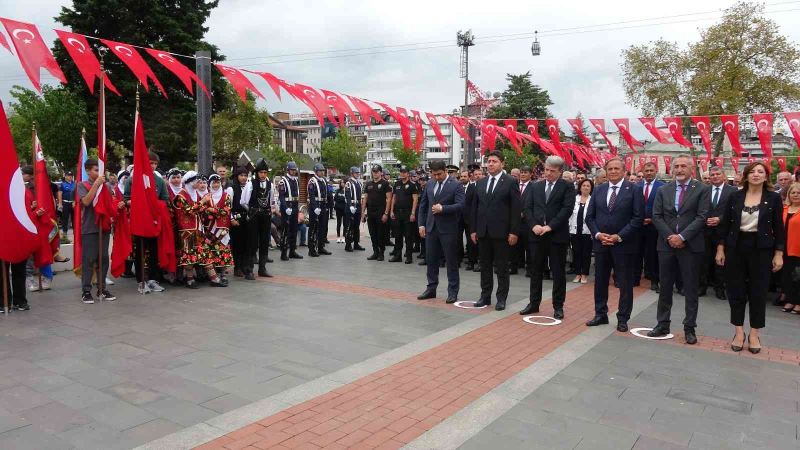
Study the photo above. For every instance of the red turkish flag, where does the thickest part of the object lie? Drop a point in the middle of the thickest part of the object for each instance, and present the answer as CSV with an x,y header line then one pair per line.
x,y
642,160
235,77
793,118
134,61
577,125
703,125
46,223
625,130
365,111
339,104
33,53
668,164
4,43
510,127
600,126
488,134
402,120
103,208
533,129
81,53
730,123
19,238
675,126
764,130
419,132
719,161
274,82
555,137
751,159
628,162
405,122
781,163
185,74
313,100
144,201
434,124
704,163
458,125
735,163
650,124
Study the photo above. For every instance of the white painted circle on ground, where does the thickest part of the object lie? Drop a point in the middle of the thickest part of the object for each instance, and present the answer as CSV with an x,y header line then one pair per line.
x,y
467,305
640,332
532,319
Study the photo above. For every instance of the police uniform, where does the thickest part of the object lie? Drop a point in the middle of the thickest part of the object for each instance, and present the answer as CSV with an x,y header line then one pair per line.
x,y
403,205
318,209
257,198
289,196
375,195
352,212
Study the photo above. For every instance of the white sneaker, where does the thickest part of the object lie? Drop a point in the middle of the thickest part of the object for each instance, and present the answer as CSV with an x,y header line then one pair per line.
x,y
109,282
144,288
33,284
154,286
46,282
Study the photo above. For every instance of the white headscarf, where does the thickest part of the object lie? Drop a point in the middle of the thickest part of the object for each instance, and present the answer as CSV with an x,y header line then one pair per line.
x,y
188,180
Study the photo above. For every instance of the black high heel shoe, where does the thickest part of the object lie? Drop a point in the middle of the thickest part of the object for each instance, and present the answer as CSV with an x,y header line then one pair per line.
x,y
737,348
751,349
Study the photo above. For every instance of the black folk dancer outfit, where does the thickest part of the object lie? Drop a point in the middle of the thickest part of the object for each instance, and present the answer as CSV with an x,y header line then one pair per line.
x,y
404,228
238,232
318,210
289,195
352,213
257,198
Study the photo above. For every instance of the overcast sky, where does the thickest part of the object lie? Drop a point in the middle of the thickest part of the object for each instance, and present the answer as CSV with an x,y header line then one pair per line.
x,y
580,70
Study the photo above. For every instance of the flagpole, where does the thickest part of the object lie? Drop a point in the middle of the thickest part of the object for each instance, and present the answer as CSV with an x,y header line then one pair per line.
x,y
33,162
100,278
140,253
5,288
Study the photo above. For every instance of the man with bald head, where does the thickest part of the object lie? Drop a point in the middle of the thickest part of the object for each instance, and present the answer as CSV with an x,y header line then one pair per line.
x,y
784,179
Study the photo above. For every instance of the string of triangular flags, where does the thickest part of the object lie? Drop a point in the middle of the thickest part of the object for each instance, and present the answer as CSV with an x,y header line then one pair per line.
x,y
330,106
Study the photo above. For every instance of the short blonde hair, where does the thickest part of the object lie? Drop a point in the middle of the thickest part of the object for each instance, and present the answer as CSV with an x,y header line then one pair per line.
x,y
794,186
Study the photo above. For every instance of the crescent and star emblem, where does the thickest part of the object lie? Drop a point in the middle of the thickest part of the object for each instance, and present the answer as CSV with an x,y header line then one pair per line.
x,y
16,198
622,126
732,125
794,123
765,126
166,57
76,43
124,50
16,33
309,93
701,126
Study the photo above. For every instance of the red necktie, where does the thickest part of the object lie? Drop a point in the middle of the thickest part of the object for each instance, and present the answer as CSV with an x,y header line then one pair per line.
x,y
646,191
680,196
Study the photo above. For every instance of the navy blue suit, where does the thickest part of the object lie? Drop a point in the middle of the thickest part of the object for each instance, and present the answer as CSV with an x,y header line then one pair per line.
x,y
648,256
624,220
443,233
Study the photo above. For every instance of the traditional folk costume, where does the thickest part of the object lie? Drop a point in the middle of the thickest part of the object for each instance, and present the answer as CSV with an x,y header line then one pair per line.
x,y
241,253
216,222
258,199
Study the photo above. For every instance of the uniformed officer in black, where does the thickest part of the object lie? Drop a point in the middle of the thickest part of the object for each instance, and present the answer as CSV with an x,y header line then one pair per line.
x,y
257,198
352,196
289,196
318,208
404,215
375,205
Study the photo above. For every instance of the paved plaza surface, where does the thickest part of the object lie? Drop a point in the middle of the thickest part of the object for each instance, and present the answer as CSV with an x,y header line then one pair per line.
x,y
336,352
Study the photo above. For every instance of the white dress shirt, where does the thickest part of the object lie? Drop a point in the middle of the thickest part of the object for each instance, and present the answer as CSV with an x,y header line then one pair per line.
x,y
610,185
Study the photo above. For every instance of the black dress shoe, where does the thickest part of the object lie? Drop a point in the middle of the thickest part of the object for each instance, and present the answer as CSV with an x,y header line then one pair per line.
x,y
658,332
313,254
372,257
654,286
501,305
269,260
451,299
263,273
597,320
294,255
558,314
751,349
408,260
348,248
380,257
359,248
395,258
481,303
322,251
284,257
691,338
249,276
428,294
622,327
530,309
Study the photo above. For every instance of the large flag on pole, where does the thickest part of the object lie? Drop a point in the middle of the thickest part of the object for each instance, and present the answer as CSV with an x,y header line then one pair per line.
x,y
144,202
80,178
19,237
103,208
48,227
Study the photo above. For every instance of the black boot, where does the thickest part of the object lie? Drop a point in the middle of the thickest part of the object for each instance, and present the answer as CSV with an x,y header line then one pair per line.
x,y
322,251
284,256
262,272
380,256
348,248
373,256
395,258
313,253
293,255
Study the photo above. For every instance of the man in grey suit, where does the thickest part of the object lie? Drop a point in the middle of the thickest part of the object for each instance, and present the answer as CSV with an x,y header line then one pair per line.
x,y
440,209
679,215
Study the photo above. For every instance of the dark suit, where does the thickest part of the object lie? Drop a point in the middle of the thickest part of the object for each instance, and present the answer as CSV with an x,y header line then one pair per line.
x,y
494,216
648,256
688,221
553,211
624,220
442,230
521,253
472,248
710,273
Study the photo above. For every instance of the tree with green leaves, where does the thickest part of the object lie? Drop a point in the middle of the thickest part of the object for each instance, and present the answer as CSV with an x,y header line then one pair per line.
x,y
405,156
740,65
342,151
59,116
515,161
240,126
176,26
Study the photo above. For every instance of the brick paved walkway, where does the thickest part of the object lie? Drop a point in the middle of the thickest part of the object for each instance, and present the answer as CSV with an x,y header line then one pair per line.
x,y
396,405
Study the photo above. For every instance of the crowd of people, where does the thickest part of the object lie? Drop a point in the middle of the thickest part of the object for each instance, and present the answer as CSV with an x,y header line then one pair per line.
x,y
684,235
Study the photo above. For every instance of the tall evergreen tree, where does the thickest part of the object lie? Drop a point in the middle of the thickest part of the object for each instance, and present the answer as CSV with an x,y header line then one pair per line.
x,y
176,26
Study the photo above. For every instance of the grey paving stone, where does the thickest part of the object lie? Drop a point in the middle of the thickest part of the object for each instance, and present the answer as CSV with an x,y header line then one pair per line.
x,y
11,421
641,424
64,365
711,400
54,417
47,382
649,443
489,439
118,415
95,436
122,350
225,403
78,396
200,373
133,393
179,411
97,378
184,389
32,437
151,431
209,359
20,398
663,402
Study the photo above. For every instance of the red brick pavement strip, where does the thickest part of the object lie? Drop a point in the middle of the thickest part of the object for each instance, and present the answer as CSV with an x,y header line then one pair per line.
x,y
394,406
713,344
350,288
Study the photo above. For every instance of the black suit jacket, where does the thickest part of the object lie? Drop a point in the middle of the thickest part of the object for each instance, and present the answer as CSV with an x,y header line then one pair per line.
x,y
771,234
689,220
625,220
722,205
496,215
469,195
554,212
